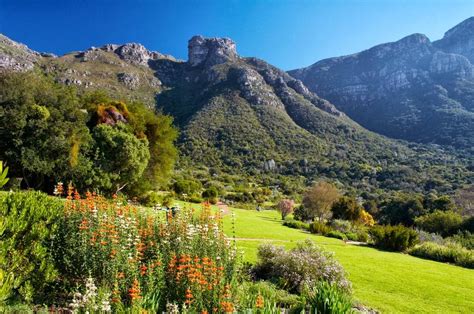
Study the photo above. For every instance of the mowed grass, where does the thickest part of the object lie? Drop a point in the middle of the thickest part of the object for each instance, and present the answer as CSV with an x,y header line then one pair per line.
x,y
389,282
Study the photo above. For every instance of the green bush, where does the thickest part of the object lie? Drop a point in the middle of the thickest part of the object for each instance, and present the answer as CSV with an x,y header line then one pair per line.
x,y
443,222
319,228
151,199
296,224
326,298
449,253
464,238
362,236
393,238
352,236
28,222
336,234
272,297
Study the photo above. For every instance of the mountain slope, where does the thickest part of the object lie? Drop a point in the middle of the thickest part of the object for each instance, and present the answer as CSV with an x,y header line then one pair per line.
x,y
411,89
243,116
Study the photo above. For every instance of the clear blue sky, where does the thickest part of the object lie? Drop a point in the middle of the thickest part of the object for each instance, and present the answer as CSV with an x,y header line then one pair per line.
x,y
288,34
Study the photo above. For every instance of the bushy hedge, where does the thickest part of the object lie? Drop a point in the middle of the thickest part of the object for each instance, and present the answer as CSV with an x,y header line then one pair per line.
x,y
296,224
336,234
304,265
28,222
319,228
448,253
393,238
443,222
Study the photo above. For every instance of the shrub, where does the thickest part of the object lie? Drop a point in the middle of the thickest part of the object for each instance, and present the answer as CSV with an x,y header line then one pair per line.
x,y
442,222
210,193
326,298
362,235
266,297
151,199
343,226
393,238
28,223
352,236
336,234
296,224
464,238
306,264
448,253
347,208
319,228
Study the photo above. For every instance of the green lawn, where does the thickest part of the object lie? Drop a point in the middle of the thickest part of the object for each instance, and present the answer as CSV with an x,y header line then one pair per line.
x,y
389,282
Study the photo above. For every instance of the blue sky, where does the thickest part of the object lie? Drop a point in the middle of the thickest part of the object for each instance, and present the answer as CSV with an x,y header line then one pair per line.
x,y
288,34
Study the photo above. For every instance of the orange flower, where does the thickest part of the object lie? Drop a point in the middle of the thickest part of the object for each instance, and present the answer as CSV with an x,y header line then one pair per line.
x,y
84,224
189,296
259,302
134,291
143,269
227,307
120,275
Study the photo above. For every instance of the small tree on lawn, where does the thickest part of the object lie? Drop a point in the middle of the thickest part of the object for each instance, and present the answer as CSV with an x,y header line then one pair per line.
x,y
318,199
285,207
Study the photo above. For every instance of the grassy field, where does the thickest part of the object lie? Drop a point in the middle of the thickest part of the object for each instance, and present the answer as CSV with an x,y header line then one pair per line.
x,y
389,282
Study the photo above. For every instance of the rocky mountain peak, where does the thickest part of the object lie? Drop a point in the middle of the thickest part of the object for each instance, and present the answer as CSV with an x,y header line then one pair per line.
x,y
459,39
15,56
211,51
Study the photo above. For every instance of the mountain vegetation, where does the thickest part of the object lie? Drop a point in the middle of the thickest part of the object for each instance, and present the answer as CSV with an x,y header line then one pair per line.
x,y
412,89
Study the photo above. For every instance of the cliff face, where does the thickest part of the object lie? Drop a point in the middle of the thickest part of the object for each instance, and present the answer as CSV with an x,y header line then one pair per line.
x,y
411,89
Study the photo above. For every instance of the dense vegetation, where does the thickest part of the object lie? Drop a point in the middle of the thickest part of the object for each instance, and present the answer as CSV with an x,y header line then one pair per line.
x,y
52,133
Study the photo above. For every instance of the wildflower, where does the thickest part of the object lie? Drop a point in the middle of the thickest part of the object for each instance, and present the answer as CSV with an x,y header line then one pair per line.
x,y
189,296
143,269
134,291
259,302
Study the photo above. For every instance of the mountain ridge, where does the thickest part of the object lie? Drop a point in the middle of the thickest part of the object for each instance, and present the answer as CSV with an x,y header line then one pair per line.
x,y
411,89
242,115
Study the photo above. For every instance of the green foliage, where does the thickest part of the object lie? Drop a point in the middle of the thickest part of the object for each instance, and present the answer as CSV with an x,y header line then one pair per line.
x,y
296,224
347,208
327,298
448,253
464,238
28,224
402,209
318,227
210,193
271,297
393,238
119,156
443,222
3,175
52,134
189,187
337,235
45,137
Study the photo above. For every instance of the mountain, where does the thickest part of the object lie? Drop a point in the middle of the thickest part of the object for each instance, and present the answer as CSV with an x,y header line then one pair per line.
x,y
412,89
243,116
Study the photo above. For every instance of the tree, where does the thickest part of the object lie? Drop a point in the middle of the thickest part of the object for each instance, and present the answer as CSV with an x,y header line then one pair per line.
x,y
285,207
119,157
318,199
402,208
444,223
43,137
347,208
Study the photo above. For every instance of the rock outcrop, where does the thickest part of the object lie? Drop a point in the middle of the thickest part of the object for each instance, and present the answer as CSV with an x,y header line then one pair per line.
x,y
210,51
